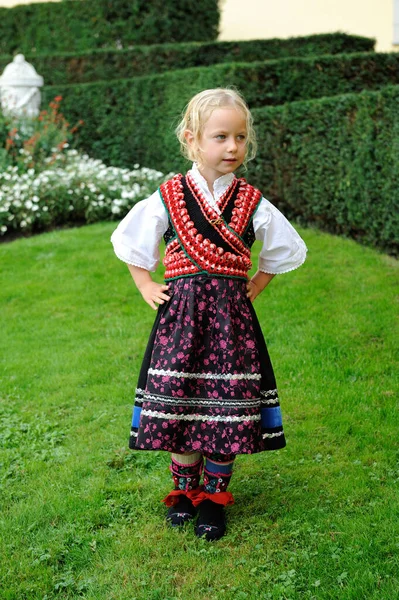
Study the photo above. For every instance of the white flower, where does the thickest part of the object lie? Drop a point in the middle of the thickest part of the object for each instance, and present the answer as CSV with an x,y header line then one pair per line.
x,y
112,190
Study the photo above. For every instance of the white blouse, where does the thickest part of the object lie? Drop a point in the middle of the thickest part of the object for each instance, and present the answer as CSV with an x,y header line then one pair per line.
x,y
137,238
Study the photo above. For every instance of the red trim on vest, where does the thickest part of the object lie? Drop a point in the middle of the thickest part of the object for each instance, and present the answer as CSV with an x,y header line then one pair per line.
x,y
191,253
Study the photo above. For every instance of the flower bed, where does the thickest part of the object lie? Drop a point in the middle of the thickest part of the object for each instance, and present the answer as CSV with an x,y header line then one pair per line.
x,y
72,189
44,183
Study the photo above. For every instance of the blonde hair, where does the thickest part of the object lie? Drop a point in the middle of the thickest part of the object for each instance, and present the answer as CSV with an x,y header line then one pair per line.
x,y
197,113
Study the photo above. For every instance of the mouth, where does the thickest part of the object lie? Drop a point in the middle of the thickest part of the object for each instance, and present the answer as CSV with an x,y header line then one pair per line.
x,y
230,160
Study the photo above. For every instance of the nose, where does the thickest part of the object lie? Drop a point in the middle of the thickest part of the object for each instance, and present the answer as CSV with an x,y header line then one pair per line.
x,y
232,144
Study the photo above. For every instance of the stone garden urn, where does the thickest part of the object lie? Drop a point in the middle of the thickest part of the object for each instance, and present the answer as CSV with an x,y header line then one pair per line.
x,y
19,89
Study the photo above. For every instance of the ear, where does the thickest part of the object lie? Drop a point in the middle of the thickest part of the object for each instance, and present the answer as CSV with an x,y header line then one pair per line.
x,y
189,137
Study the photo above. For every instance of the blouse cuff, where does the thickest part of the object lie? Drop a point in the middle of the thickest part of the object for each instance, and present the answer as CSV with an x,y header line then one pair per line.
x,y
280,266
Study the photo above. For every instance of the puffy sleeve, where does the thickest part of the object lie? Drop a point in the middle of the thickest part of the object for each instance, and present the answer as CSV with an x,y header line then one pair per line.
x,y
283,249
137,238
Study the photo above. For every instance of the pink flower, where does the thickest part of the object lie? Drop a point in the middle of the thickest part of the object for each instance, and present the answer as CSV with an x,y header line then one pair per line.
x,y
201,306
235,447
196,445
163,340
250,344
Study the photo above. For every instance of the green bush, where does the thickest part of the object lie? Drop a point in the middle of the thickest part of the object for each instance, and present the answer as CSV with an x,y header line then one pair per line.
x,y
132,120
334,163
82,25
105,64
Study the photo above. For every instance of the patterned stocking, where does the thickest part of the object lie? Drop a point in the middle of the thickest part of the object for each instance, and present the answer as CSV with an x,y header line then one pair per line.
x,y
217,475
186,472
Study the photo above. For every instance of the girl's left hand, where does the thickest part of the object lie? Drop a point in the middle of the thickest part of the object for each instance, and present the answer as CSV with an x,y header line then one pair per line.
x,y
252,290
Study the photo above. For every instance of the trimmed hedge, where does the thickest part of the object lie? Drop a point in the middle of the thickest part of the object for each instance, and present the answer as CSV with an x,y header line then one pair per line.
x,y
334,163
132,120
80,25
331,162
109,63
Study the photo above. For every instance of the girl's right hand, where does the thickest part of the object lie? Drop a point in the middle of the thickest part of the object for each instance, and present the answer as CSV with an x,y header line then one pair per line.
x,y
153,292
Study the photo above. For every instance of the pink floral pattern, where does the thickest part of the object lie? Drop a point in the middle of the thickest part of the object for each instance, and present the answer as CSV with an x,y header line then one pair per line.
x,y
203,384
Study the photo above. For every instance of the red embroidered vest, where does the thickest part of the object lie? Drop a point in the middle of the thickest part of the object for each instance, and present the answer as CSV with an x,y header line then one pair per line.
x,y
205,241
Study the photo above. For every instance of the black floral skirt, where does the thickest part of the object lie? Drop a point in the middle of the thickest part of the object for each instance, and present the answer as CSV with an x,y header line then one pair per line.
x,y
206,383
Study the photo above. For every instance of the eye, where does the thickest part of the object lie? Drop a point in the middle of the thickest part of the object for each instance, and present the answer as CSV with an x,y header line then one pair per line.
x,y
220,136
241,137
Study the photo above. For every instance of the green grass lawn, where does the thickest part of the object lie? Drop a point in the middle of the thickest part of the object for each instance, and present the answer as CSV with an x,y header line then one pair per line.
x,y
81,516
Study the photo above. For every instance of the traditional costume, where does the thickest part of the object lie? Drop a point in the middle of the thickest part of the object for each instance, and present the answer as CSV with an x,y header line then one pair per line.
x,y
206,384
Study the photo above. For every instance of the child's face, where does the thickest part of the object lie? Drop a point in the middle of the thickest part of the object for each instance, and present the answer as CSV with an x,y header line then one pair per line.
x,y
223,143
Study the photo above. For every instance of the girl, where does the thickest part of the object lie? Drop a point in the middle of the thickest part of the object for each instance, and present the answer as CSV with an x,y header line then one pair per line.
x,y
206,390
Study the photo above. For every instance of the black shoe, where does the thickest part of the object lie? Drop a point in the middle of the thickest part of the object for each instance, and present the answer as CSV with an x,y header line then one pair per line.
x,y
181,512
211,523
